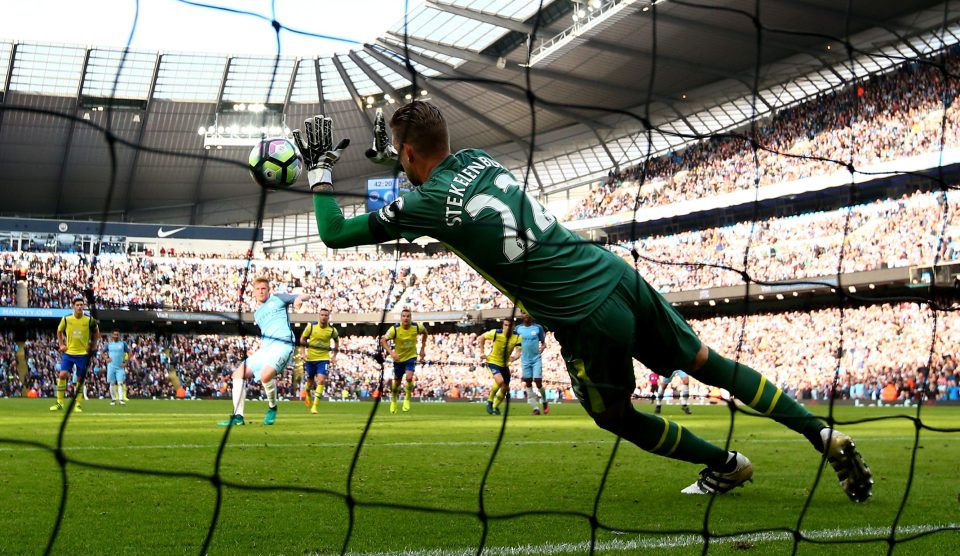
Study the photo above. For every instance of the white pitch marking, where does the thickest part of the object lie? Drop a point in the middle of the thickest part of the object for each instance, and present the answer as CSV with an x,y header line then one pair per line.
x,y
647,543
288,445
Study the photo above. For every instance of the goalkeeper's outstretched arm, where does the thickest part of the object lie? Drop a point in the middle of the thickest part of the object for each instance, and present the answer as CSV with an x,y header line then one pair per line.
x,y
338,232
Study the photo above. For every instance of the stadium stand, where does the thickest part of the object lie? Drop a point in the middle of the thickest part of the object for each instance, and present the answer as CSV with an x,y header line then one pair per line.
x,y
885,234
886,118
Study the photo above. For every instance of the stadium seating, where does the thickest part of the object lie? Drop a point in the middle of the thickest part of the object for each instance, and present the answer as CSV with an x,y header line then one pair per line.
x,y
882,344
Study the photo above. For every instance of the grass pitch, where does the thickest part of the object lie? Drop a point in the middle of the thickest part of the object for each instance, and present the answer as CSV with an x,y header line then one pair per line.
x,y
141,479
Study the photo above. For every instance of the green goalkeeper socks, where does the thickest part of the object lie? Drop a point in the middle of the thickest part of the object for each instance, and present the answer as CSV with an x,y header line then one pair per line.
x,y
753,389
667,438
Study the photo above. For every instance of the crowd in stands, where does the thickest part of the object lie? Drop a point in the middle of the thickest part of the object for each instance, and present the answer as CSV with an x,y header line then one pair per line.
x,y
194,284
881,345
891,233
10,383
887,117
884,234
885,356
884,118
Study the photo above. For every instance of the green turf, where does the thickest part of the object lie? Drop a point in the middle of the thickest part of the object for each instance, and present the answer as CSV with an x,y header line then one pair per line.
x,y
540,492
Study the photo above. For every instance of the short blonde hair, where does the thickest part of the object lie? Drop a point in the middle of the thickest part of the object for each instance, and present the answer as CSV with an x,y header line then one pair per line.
x,y
260,279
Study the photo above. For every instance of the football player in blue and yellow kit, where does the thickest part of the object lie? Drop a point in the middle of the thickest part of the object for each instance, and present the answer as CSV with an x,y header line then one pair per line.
x,y
77,335
319,345
505,344
404,355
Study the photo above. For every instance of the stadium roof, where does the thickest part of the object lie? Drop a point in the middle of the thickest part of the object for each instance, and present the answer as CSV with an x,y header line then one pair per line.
x,y
685,68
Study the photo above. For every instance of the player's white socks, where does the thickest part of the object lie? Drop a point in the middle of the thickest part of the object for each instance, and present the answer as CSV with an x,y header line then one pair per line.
x,y
532,397
270,388
685,394
113,392
543,394
239,395
660,391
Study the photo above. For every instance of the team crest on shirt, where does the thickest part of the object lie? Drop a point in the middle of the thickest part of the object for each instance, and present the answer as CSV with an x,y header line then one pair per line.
x,y
389,213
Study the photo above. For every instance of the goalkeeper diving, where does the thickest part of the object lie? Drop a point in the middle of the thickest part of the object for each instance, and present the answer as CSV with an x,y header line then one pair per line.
x,y
601,311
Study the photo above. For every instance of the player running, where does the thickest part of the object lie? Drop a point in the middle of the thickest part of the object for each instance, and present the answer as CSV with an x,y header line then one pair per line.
x,y
77,335
319,345
504,343
404,336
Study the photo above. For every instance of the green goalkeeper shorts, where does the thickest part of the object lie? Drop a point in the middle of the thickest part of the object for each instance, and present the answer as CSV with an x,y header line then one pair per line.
x,y
634,322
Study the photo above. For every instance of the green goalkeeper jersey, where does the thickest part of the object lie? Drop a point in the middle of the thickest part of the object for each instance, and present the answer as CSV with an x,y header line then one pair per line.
x,y
480,212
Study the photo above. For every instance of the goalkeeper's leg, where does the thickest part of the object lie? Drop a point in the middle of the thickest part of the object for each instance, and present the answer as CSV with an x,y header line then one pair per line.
x,y
636,315
752,388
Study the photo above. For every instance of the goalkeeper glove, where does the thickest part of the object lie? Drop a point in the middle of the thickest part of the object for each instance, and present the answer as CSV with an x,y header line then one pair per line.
x,y
318,150
382,151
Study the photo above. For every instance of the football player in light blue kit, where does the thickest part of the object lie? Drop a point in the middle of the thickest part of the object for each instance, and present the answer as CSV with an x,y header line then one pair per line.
x,y
118,353
276,349
533,342
665,380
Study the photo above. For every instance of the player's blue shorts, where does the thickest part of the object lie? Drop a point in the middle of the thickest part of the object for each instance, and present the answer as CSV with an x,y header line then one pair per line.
x,y
399,369
76,363
276,356
116,374
531,369
498,370
314,368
